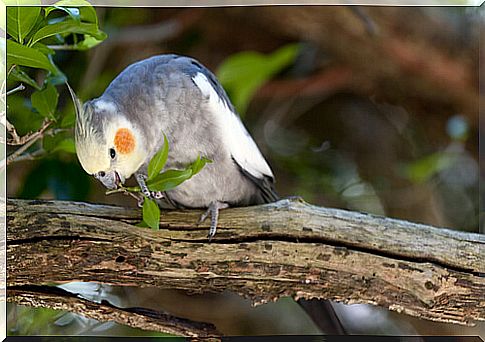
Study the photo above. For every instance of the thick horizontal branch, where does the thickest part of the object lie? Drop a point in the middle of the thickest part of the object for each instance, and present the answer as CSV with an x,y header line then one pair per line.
x,y
288,248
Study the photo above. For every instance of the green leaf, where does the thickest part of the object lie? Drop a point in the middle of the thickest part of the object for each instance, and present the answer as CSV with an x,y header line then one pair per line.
x,y
87,12
68,26
45,101
87,43
66,145
71,11
169,179
158,160
18,74
242,74
69,118
172,178
20,20
27,56
199,164
21,115
50,142
142,224
43,48
151,214
62,141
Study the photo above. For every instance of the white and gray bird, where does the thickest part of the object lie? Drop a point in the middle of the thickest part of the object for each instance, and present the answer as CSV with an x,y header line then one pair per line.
x,y
118,133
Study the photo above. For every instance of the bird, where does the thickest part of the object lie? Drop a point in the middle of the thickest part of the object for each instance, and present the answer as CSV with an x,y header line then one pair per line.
x,y
118,133
175,96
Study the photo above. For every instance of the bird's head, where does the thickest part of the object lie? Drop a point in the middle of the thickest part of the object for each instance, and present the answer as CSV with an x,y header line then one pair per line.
x,y
108,146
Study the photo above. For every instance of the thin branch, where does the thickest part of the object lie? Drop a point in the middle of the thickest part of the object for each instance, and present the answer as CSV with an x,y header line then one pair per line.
x,y
30,140
26,138
64,47
142,318
13,132
10,70
14,90
35,154
31,156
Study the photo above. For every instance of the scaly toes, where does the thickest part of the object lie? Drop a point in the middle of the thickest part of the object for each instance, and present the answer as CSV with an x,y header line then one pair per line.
x,y
156,194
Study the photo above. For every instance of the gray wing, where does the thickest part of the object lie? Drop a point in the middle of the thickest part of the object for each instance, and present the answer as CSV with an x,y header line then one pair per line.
x,y
244,150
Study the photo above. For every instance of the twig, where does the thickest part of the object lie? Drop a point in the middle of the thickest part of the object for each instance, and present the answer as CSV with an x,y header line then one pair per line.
x,y
128,191
32,138
31,156
14,90
115,191
13,132
123,190
10,70
64,47
26,138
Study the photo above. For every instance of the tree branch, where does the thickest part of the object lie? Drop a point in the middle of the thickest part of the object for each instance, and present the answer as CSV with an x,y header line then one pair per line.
x,y
16,89
147,319
26,141
288,248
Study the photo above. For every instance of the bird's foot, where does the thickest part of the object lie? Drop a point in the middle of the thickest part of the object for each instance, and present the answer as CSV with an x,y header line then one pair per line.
x,y
213,210
140,179
157,194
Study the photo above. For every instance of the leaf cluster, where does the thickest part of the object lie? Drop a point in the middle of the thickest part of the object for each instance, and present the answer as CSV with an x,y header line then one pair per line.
x,y
34,35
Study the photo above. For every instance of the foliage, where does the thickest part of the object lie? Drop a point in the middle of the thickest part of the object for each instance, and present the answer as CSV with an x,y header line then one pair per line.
x,y
242,74
34,36
424,168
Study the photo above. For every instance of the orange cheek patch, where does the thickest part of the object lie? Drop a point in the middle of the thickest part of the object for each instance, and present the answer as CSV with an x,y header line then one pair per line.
x,y
124,141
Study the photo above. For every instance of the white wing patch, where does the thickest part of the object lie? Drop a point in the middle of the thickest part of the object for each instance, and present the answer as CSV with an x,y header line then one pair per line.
x,y
240,144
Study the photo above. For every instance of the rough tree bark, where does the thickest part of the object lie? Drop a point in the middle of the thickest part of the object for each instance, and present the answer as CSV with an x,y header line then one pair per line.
x,y
288,248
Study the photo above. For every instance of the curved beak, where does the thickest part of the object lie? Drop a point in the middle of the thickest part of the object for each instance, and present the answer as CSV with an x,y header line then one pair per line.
x,y
111,179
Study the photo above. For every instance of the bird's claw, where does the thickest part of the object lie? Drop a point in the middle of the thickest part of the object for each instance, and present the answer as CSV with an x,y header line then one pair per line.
x,y
213,210
156,194
141,179
204,216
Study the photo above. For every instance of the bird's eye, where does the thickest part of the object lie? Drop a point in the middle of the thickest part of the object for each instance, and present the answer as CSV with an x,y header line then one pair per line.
x,y
112,153
101,174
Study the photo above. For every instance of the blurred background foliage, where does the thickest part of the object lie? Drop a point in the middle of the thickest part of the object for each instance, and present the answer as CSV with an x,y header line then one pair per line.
x,y
367,109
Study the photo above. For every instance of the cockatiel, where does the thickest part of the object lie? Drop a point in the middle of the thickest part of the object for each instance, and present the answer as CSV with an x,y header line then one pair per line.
x,y
117,134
